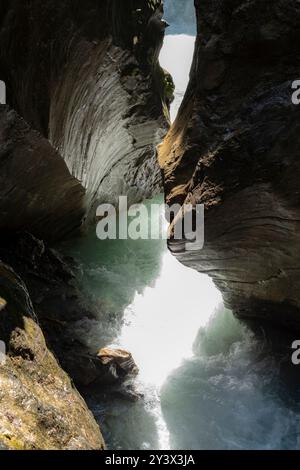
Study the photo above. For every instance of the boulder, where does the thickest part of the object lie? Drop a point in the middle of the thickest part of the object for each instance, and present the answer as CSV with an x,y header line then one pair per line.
x,y
118,362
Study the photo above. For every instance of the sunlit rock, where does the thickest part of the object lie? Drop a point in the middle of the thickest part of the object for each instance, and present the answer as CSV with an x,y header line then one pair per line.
x,y
119,362
39,406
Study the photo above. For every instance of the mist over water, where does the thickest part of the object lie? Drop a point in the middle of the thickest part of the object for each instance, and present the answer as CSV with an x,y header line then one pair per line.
x,y
207,380
151,305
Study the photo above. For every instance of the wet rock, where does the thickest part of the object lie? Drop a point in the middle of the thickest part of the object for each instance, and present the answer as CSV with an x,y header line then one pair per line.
x,y
111,371
235,148
118,362
39,406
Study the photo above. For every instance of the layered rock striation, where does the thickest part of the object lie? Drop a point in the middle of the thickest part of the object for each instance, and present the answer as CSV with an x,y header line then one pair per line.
x,y
87,105
37,192
86,75
235,148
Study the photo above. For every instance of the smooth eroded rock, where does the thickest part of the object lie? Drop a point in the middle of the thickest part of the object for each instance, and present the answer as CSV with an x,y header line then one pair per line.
x,y
90,81
37,192
235,148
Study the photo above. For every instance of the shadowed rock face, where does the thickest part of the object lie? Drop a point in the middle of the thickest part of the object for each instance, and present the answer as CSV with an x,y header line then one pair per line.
x,y
86,75
235,148
37,192
39,406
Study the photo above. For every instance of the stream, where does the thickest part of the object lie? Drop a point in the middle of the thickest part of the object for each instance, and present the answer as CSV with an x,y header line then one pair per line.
x,y
206,379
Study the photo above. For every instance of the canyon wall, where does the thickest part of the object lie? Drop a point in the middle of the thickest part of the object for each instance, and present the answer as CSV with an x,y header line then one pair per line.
x,y
37,192
39,406
87,103
235,148
86,75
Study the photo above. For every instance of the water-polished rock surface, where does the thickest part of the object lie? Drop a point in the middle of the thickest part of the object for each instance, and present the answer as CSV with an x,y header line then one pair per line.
x,y
235,146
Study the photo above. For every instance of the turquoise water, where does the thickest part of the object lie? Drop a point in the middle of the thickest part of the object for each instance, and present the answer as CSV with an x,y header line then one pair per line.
x,y
239,391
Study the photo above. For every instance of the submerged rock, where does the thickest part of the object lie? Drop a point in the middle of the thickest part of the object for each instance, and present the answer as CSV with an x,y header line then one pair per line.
x,y
234,147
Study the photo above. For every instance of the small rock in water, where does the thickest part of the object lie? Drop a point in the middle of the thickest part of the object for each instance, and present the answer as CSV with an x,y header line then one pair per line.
x,y
119,361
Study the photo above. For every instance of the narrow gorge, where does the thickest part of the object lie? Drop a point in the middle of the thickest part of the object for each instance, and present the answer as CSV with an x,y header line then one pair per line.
x,y
183,102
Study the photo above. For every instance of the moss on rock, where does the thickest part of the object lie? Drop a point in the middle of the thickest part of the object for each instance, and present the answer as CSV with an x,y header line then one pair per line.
x,y
39,406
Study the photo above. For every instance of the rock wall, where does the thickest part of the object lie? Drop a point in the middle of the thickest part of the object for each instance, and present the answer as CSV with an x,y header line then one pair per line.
x,y
86,75
235,148
87,104
37,192
39,406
